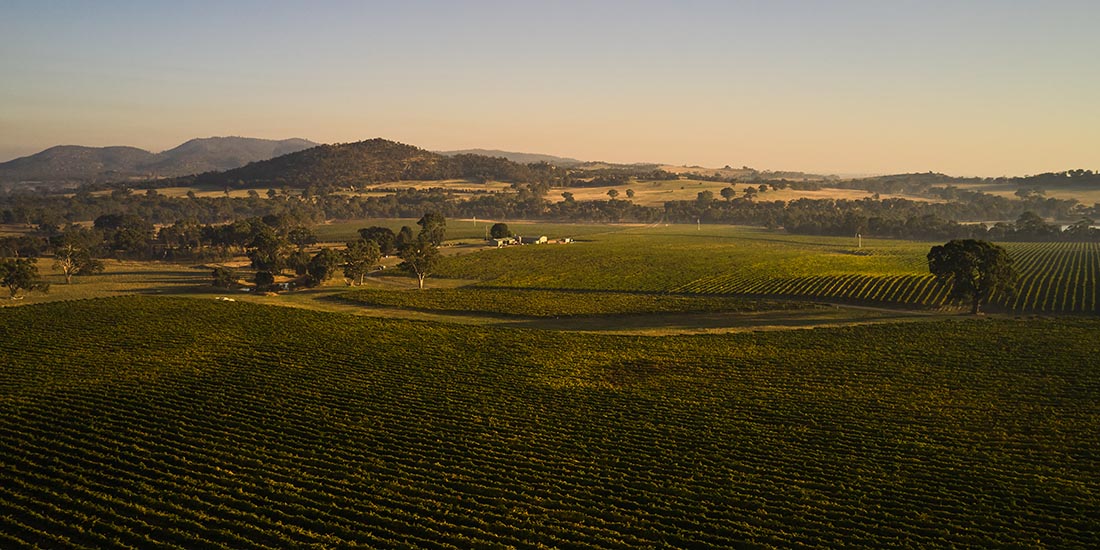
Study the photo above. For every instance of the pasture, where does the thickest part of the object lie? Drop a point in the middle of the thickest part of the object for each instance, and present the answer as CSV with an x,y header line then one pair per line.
x,y
153,422
658,192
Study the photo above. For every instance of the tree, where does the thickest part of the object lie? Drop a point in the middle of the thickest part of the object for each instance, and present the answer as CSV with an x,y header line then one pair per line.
x,y
630,193
567,196
433,226
974,270
269,249
612,193
73,260
360,257
383,236
322,266
500,231
404,238
298,261
301,237
21,274
420,258
728,193
705,197
264,280
224,277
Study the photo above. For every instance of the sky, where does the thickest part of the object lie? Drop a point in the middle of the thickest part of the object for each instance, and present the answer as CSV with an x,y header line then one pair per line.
x,y
979,87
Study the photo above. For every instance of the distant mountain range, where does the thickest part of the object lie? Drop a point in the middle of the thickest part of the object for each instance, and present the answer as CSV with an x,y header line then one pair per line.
x,y
522,158
77,164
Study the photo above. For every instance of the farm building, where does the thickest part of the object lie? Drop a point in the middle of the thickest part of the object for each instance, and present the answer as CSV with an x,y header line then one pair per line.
x,y
506,241
541,239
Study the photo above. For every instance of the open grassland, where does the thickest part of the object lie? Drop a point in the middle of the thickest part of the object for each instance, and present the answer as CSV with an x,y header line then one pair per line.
x,y
1055,277
1087,195
151,422
658,192
119,278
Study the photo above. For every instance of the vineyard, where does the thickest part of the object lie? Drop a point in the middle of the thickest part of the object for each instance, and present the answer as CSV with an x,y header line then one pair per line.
x,y
556,303
179,423
1054,277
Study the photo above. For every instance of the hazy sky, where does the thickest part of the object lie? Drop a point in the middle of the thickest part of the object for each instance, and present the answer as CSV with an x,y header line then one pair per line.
x,y
995,87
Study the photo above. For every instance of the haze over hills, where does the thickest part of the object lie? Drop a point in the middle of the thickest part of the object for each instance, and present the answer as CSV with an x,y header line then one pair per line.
x,y
522,158
79,164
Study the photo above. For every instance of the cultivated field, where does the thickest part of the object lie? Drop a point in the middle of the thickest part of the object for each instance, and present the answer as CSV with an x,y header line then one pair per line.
x,y
1055,277
547,303
167,423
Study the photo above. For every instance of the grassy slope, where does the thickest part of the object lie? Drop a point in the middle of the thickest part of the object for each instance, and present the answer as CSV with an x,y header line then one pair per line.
x,y
141,421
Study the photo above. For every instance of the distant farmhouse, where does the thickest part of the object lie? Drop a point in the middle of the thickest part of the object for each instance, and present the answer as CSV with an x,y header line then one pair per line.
x,y
540,239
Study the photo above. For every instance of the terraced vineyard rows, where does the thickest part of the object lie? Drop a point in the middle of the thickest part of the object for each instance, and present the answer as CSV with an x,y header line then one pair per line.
x,y
1054,278
157,423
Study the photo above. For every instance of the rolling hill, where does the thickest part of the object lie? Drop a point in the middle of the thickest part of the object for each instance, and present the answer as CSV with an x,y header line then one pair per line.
x,y
361,163
78,164
522,158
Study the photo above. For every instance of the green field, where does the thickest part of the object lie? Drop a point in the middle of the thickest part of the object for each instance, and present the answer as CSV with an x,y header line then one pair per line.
x,y
155,422
717,260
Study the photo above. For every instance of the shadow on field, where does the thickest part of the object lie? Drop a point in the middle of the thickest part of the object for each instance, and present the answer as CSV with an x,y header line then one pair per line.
x,y
721,322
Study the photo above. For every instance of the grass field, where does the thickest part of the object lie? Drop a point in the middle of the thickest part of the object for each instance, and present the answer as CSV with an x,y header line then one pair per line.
x,y
1086,195
658,192
1055,277
153,422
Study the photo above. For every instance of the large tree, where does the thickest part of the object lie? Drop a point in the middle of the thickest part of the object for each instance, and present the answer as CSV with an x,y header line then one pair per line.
x,y
404,238
268,250
973,270
421,258
433,226
322,266
500,231
73,260
360,258
19,274
383,236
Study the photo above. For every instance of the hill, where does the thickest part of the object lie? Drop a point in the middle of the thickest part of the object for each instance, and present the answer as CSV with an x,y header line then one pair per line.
x,y
149,422
71,163
78,164
223,153
362,163
522,158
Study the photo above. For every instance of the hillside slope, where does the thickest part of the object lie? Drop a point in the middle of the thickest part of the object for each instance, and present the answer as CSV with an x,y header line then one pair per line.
x,y
79,164
522,158
362,163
